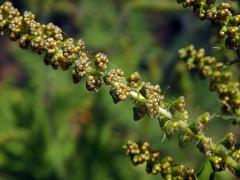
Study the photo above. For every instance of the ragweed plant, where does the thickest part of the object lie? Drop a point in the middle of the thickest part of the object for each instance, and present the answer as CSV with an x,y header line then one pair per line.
x,y
63,52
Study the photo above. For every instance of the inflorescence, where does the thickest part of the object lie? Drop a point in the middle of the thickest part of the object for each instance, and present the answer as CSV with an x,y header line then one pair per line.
x,y
222,155
221,17
221,79
66,53
141,153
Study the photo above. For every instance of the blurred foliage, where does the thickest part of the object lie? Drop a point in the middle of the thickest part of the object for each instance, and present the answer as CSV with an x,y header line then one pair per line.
x,y
53,129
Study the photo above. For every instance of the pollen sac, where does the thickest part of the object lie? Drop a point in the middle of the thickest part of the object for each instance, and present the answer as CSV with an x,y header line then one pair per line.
x,y
154,99
200,123
68,49
57,60
170,127
80,68
217,163
53,31
153,168
178,109
119,92
93,83
221,80
138,152
119,88
10,20
80,45
166,164
178,105
204,146
134,80
181,105
114,75
51,45
28,17
15,28
101,61
9,14
24,41
37,45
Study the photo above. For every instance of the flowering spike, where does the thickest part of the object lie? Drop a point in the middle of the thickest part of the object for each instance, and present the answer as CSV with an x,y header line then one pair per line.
x,y
148,100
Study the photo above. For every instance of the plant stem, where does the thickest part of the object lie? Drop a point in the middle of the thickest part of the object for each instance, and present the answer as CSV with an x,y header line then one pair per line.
x,y
138,97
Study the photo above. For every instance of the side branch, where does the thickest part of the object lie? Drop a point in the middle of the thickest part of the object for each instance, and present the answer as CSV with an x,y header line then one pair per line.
x,y
221,17
221,79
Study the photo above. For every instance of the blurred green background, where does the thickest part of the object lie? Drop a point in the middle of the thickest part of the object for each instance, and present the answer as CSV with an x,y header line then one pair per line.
x,y
51,128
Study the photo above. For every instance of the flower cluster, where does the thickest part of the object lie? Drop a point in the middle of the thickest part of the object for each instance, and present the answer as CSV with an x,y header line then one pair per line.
x,y
229,143
141,153
220,16
67,53
222,155
221,79
120,90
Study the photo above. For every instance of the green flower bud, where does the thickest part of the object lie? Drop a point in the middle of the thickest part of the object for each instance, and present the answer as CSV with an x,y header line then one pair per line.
x,y
204,146
184,140
228,141
170,128
217,163
236,155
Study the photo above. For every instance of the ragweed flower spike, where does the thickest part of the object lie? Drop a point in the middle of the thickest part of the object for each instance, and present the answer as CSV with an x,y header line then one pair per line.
x,y
141,153
222,155
67,53
221,80
221,17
